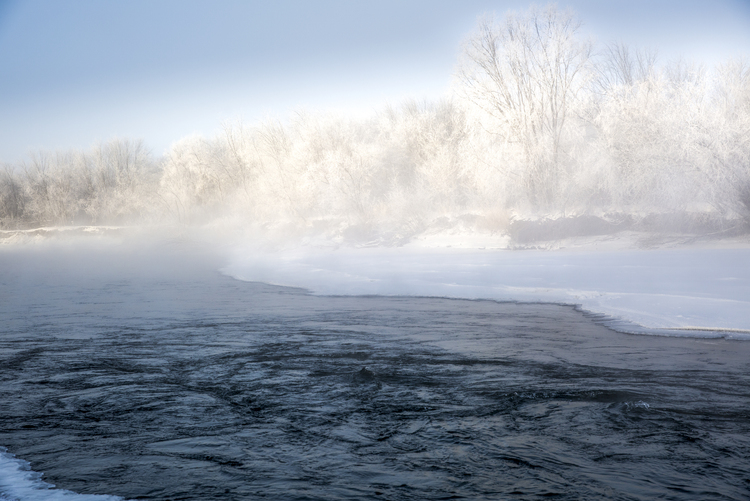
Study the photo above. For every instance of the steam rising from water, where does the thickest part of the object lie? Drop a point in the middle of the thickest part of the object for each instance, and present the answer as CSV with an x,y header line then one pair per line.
x,y
147,374
527,158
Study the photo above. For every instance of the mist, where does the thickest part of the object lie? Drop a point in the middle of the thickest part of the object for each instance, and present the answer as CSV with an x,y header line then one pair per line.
x,y
545,135
535,285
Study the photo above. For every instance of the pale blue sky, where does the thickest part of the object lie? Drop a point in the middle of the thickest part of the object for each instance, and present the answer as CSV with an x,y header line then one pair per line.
x,y
76,72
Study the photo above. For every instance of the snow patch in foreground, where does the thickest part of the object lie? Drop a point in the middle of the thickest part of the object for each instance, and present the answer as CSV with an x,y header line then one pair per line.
x,y
687,291
19,483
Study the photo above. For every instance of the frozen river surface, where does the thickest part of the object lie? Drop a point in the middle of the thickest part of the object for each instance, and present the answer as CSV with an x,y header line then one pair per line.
x,y
703,292
150,375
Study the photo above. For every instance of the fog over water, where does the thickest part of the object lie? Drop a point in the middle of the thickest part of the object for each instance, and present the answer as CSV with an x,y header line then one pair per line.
x,y
144,373
535,285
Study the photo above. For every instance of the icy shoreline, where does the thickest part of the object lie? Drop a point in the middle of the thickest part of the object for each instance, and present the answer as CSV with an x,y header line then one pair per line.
x,y
19,482
634,282
697,291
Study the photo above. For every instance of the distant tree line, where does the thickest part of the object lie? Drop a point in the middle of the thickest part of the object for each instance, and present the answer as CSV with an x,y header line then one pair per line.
x,y
542,123
113,183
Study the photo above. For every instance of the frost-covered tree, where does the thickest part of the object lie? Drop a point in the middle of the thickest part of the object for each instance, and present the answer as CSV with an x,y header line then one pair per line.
x,y
727,168
112,183
190,178
619,66
118,180
528,72
543,125
12,197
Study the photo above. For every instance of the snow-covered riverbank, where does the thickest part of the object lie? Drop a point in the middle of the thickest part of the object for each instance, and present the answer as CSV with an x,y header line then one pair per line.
x,y
637,282
700,290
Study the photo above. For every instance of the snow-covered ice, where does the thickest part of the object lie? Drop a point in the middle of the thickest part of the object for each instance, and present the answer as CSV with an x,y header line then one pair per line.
x,y
680,291
19,482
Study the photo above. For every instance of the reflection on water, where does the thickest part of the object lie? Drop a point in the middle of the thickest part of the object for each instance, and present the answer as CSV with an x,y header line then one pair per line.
x,y
158,378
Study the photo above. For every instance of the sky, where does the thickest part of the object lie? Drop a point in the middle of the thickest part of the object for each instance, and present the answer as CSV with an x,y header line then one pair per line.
x,y
78,72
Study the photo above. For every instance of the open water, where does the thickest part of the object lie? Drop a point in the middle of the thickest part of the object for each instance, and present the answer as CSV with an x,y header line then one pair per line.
x,y
149,375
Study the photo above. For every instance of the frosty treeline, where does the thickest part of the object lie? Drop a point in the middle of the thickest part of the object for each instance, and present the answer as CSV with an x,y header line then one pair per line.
x,y
541,123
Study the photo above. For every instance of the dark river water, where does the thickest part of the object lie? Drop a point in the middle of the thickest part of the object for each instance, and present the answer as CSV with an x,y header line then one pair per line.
x,y
149,375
